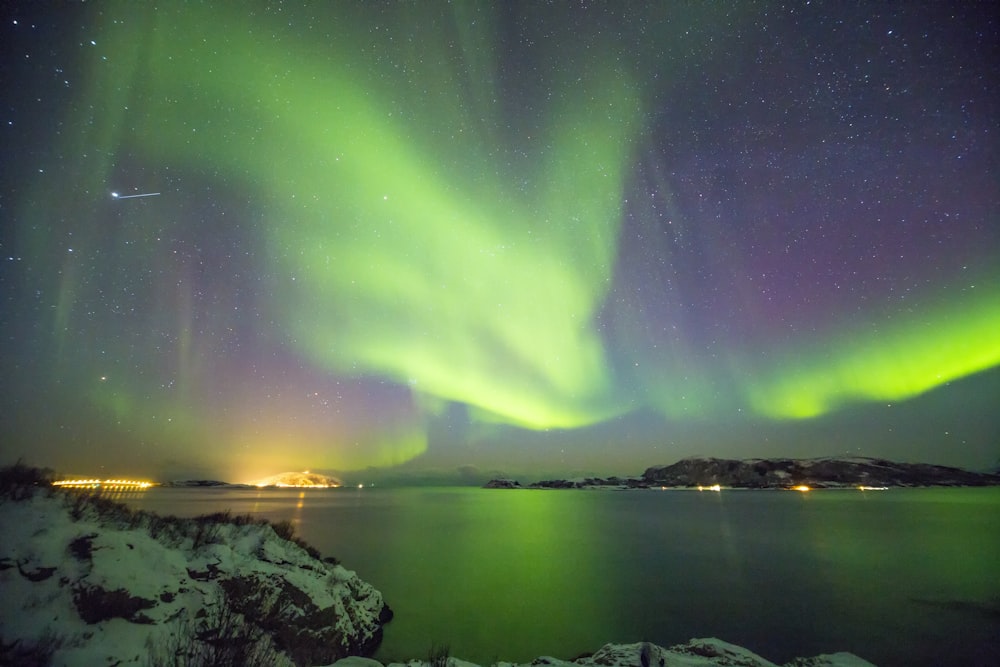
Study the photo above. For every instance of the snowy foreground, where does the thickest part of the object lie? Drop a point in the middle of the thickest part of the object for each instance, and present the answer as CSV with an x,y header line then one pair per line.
x,y
85,581
696,653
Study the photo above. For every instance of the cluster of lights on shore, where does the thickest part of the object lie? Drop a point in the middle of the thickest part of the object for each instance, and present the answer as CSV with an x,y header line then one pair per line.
x,y
803,488
299,480
302,486
297,486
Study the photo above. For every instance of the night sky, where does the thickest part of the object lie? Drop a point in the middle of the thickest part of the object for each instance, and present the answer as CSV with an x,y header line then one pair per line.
x,y
527,237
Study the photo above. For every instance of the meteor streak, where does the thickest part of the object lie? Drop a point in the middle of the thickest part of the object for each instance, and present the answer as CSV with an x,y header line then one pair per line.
x,y
115,195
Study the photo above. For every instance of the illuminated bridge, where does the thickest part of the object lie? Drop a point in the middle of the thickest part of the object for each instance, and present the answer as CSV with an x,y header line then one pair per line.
x,y
108,484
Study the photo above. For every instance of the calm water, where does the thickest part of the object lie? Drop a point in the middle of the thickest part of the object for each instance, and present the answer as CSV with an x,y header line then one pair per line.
x,y
902,577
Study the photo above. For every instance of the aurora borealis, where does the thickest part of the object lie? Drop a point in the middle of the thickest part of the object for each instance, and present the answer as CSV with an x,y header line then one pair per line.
x,y
510,236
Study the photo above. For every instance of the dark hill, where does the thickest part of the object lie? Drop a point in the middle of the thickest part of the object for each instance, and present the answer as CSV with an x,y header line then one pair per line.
x,y
817,473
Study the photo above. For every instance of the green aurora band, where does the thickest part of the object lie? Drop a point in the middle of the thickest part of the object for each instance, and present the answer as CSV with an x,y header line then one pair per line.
x,y
892,359
408,237
395,261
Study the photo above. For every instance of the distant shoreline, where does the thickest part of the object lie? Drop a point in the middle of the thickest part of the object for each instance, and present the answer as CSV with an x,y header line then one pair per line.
x,y
699,473
713,474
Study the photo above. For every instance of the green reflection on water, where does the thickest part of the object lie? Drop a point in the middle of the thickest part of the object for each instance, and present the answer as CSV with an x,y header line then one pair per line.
x,y
906,576
533,558
917,563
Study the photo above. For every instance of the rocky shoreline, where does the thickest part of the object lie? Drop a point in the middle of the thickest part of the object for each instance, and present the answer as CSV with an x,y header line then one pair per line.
x,y
820,473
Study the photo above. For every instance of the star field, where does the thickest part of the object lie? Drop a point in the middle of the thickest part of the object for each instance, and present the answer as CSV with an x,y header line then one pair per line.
x,y
502,236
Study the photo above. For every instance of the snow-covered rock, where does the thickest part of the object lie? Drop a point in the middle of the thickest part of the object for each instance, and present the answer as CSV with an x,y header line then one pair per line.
x,y
90,582
695,653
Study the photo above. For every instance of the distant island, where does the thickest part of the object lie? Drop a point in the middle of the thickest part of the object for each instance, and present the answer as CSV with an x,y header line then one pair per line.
x,y
800,474
298,480
204,484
